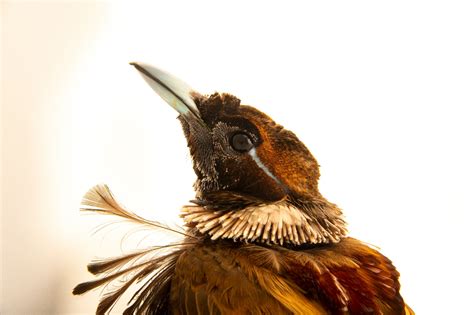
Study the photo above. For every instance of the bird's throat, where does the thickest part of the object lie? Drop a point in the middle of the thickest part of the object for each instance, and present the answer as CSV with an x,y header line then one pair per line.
x,y
278,223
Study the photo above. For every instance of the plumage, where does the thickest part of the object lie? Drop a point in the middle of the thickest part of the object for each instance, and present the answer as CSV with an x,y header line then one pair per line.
x,y
258,239
275,223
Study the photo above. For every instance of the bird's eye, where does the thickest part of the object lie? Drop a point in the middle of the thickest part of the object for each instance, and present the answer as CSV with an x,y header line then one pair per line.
x,y
241,142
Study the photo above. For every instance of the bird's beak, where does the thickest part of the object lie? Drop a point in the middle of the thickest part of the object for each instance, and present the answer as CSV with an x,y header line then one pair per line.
x,y
174,91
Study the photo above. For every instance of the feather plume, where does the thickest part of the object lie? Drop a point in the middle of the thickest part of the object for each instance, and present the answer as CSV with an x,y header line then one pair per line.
x,y
99,199
101,266
156,264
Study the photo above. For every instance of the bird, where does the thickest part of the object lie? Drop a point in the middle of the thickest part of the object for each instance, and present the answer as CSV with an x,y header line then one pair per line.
x,y
259,237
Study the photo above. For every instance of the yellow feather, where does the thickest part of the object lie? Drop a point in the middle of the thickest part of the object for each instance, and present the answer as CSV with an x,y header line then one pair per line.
x,y
287,294
408,310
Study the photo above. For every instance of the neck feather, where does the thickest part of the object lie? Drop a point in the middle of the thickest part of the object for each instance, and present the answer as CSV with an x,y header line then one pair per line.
x,y
277,223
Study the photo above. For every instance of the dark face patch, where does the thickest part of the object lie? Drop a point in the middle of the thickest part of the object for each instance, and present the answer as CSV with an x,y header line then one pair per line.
x,y
221,150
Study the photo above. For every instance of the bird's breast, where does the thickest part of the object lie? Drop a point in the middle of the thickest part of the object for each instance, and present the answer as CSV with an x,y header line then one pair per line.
x,y
232,278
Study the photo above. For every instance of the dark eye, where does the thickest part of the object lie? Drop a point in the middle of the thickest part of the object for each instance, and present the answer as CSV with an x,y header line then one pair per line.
x,y
241,142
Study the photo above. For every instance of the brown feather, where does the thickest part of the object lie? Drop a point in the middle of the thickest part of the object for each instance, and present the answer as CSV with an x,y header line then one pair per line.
x,y
349,277
158,268
153,296
99,199
101,266
87,286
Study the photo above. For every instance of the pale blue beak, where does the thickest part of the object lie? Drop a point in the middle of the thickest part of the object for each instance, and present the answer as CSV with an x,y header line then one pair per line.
x,y
174,91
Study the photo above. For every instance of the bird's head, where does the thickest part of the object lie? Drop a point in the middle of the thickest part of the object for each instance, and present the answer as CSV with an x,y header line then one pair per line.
x,y
244,160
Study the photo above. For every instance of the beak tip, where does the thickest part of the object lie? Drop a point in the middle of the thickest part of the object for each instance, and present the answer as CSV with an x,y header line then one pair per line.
x,y
140,67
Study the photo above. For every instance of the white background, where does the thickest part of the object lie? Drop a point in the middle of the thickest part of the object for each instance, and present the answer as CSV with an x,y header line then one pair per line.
x,y
381,92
